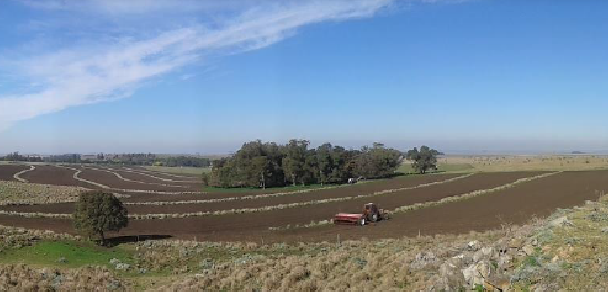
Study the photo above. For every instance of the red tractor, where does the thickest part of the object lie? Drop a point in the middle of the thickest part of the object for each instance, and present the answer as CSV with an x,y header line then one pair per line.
x,y
370,213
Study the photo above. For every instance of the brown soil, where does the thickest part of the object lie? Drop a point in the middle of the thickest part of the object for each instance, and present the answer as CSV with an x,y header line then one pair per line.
x,y
444,220
58,176
180,176
343,191
346,191
517,205
7,171
112,181
189,186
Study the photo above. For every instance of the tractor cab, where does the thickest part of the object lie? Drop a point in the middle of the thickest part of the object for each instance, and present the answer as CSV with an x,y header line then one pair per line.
x,y
371,212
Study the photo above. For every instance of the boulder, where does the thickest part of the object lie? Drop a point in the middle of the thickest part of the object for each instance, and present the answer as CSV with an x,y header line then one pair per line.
x,y
561,222
472,276
528,249
62,260
473,245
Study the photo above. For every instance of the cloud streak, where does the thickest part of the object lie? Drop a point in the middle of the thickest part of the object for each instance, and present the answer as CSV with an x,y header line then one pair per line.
x,y
97,72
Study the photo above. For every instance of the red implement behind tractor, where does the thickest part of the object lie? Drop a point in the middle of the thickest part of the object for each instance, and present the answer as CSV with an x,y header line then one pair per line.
x,y
370,213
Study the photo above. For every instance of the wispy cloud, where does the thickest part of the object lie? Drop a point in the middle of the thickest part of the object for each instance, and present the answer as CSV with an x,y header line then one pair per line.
x,y
91,72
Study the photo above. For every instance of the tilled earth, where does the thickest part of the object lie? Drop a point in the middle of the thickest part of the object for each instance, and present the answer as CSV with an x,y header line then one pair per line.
x,y
488,211
7,171
339,192
59,176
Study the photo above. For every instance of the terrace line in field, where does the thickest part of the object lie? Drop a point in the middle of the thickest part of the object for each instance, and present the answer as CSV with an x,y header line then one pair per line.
x,y
144,178
517,205
447,200
166,175
104,177
260,201
53,175
124,179
18,177
253,226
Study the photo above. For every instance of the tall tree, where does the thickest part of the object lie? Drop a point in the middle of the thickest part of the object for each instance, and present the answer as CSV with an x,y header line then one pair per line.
x,y
294,160
424,159
261,167
324,162
98,212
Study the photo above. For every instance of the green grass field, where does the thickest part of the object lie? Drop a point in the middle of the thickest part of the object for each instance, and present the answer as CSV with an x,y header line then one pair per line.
x,y
441,166
76,254
180,169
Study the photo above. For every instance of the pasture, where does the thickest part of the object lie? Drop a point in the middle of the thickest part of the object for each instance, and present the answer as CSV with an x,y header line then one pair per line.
x,y
523,163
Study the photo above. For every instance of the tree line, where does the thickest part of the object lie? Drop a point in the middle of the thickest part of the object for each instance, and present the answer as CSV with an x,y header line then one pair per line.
x,y
115,159
22,158
269,164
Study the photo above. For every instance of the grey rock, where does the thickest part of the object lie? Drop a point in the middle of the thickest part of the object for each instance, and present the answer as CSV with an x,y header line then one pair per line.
x,y
361,262
553,267
560,222
478,256
114,285
472,275
450,272
528,249
122,266
57,280
604,267
206,264
473,245
422,260
487,251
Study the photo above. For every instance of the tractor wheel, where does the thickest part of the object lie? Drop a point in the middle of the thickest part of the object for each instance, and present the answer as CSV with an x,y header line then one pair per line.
x,y
374,217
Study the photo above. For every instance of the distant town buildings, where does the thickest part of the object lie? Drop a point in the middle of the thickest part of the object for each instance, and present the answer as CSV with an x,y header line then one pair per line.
x,y
120,159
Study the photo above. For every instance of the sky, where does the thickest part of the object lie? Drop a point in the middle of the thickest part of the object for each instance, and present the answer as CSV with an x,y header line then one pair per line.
x,y
191,76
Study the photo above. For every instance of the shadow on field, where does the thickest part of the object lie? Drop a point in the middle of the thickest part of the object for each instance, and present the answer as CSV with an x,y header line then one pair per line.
x,y
398,173
134,238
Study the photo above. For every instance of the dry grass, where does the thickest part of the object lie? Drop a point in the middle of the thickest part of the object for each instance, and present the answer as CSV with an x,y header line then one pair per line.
x,y
29,193
566,251
528,163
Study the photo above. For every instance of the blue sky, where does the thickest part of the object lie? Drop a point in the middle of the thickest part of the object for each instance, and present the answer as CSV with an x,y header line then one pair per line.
x,y
200,76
